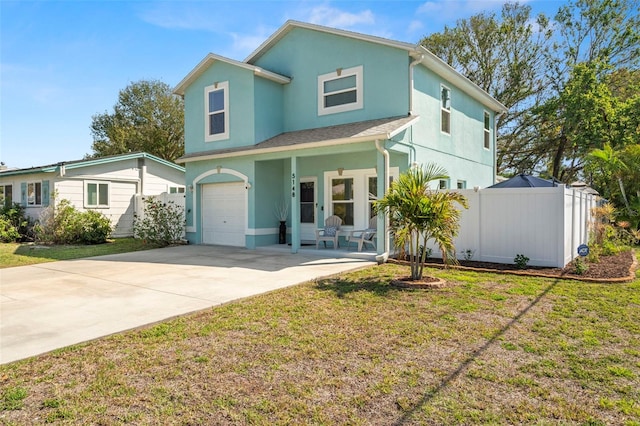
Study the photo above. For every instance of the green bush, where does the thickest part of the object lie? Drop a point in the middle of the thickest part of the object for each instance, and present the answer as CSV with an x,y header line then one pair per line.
x,y
64,224
8,232
17,217
580,266
162,223
521,261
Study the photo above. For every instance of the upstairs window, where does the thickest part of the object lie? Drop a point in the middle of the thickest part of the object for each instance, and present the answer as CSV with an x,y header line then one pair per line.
x,y
216,107
340,91
445,109
487,130
176,190
96,194
443,184
462,184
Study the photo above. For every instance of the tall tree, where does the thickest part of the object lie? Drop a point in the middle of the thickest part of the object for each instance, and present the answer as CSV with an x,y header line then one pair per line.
x,y
503,55
148,117
594,38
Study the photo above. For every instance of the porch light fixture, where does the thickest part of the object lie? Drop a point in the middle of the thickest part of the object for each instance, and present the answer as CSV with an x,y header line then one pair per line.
x,y
340,170
339,71
219,168
190,188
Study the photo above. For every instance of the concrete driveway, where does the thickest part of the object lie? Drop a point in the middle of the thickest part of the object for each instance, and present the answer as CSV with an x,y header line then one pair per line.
x,y
53,305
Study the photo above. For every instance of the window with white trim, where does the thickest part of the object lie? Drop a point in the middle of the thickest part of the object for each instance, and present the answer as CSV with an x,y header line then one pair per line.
x,y
372,186
462,184
96,194
340,91
6,196
216,110
34,193
176,190
445,109
342,199
443,184
487,130
352,201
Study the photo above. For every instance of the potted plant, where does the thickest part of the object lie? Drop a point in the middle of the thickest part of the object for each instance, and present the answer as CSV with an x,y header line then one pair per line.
x,y
282,212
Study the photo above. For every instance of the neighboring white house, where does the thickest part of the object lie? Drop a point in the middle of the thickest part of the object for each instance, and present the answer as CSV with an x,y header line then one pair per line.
x,y
110,185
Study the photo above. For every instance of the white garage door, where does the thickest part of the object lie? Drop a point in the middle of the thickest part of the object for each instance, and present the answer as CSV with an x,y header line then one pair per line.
x,y
223,214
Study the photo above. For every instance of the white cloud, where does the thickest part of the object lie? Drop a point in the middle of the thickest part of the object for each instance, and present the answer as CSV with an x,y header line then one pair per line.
x,y
244,44
166,16
336,18
415,26
430,7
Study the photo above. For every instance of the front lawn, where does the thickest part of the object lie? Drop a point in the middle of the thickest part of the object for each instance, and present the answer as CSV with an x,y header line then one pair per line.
x,y
21,254
351,349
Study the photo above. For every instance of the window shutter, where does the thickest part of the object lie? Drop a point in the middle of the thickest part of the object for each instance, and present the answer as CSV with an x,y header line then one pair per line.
x,y
45,193
23,194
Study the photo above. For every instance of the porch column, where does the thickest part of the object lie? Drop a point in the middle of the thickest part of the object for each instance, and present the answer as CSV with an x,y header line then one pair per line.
x,y
383,183
295,206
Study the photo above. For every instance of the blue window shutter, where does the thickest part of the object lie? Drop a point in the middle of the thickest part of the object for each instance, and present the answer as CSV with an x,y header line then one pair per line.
x,y
23,194
45,193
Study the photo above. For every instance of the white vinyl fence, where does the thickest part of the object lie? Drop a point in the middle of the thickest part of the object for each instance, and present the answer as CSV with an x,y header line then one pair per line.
x,y
165,197
544,224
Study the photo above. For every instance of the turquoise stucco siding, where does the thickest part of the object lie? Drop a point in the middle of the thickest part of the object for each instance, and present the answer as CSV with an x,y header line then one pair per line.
x,y
268,110
462,151
305,54
241,108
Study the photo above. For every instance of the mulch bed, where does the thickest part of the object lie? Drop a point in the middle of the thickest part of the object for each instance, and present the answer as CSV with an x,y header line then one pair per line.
x,y
615,268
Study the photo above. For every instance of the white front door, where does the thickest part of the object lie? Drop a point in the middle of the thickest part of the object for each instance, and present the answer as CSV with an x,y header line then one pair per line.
x,y
308,207
223,214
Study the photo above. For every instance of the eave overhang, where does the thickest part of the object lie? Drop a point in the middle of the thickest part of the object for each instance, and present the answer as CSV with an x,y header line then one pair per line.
x,y
352,133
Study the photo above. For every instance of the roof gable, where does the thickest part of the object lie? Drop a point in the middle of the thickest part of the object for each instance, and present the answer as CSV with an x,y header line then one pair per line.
x,y
211,58
416,51
290,25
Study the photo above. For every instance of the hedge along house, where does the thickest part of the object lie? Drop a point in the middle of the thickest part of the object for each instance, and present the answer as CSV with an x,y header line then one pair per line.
x,y
323,119
109,185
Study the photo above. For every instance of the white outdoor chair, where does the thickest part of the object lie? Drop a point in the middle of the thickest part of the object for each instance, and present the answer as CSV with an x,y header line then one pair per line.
x,y
330,232
364,236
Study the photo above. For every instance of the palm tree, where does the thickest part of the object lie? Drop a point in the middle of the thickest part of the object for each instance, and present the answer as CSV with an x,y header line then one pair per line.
x,y
418,214
610,161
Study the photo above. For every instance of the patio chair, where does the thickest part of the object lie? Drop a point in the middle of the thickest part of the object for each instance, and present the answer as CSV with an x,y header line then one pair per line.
x,y
330,232
362,237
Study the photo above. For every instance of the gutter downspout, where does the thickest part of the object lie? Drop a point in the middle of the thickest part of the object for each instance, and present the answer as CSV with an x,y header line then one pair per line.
x,y
411,66
382,258
495,143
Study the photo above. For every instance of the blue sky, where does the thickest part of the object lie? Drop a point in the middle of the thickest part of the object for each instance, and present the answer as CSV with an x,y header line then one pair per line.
x,y
63,61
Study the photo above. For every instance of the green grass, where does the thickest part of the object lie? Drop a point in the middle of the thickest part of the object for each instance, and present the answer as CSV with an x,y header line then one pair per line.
x,y
21,254
351,349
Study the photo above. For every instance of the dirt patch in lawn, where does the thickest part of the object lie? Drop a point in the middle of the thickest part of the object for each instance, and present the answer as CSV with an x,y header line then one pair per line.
x,y
614,268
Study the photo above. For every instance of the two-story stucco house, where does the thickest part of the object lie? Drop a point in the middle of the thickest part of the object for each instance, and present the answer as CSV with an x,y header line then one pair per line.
x,y
323,119
111,185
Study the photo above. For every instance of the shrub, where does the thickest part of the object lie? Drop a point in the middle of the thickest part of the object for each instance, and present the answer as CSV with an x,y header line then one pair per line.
x,y
16,215
580,266
521,261
609,237
64,224
8,232
162,223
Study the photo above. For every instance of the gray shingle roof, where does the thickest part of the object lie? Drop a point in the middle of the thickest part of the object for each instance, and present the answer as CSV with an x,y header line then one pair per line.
x,y
382,128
